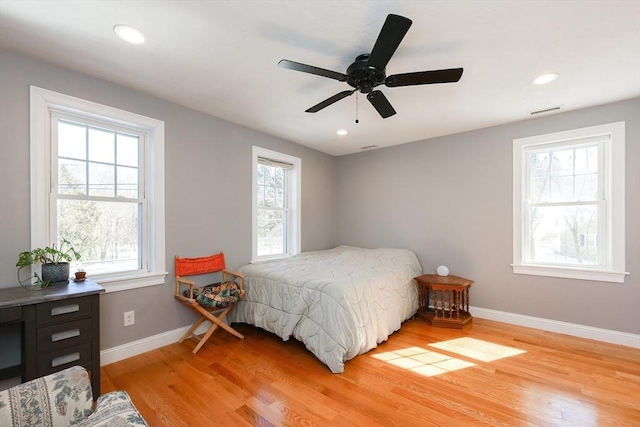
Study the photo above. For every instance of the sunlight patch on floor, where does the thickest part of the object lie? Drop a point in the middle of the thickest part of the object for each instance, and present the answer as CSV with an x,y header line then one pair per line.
x,y
422,361
429,363
477,349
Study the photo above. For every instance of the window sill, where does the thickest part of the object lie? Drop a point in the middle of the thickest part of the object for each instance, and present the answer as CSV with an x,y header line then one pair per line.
x,y
271,258
125,283
570,273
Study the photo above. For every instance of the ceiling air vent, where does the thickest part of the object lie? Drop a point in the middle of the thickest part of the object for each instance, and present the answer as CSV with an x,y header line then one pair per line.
x,y
546,110
368,147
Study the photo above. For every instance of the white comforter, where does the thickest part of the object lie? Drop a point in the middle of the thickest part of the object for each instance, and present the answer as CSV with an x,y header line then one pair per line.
x,y
340,302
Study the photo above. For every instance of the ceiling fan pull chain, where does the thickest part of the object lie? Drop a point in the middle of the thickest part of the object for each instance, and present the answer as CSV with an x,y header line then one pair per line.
x,y
357,108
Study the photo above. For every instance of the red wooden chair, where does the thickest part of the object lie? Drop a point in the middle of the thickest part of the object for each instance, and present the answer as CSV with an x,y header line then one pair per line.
x,y
212,302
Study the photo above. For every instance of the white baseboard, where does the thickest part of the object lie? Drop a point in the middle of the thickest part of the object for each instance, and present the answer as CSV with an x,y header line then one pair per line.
x,y
124,351
582,331
134,348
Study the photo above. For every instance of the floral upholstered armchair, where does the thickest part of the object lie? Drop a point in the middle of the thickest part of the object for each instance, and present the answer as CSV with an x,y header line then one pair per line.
x,y
65,399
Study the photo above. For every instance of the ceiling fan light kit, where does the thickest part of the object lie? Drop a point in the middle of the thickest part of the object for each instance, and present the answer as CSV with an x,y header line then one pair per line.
x,y
369,70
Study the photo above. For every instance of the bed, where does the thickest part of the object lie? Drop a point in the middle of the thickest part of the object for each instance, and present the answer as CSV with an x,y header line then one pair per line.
x,y
340,302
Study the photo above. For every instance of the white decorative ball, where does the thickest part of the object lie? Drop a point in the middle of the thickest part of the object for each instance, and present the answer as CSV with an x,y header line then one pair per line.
x,y
442,270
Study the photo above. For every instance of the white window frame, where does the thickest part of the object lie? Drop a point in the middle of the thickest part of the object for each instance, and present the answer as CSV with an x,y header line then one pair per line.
x,y
294,202
44,103
611,199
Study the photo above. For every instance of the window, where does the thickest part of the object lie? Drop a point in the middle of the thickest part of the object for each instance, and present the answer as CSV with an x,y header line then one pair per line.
x,y
97,180
276,204
568,212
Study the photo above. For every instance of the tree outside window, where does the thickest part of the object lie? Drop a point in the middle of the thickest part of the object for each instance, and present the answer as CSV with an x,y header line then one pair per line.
x,y
568,204
276,204
97,180
98,197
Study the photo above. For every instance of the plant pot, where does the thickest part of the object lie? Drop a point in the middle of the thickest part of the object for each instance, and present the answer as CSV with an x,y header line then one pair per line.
x,y
55,274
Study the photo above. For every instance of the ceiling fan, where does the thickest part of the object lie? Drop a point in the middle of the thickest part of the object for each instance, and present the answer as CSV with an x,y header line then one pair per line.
x,y
368,70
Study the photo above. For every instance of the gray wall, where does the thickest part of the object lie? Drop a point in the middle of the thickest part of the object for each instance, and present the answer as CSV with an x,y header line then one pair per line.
x,y
208,188
450,200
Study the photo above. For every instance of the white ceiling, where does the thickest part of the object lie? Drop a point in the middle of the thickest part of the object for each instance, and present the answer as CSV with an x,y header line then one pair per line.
x,y
221,57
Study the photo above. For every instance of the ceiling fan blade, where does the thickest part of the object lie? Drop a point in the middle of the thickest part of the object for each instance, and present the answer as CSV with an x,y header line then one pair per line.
x,y
392,33
424,77
381,104
296,66
329,101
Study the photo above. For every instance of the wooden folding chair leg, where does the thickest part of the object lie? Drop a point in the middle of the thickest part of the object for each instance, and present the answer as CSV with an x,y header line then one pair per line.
x,y
231,330
205,337
193,327
216,321
226,327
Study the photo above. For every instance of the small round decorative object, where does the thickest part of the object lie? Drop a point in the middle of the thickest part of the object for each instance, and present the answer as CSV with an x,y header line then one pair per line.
x,y
442,270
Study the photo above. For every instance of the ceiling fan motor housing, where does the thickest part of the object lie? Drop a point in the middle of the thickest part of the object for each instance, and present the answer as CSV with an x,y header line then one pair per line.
x,y
364,77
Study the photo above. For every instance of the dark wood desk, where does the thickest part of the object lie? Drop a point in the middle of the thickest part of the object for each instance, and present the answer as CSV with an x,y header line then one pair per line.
x,y
60,328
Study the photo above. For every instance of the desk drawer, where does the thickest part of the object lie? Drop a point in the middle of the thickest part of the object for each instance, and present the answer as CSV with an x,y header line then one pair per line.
x,y
52,312
63,335
54,361
10,314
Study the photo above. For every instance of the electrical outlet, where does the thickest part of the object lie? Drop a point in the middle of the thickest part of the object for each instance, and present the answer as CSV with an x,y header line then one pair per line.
x,y
129,318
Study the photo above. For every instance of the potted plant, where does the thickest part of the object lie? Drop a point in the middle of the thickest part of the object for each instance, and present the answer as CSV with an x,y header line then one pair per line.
x,y
54,260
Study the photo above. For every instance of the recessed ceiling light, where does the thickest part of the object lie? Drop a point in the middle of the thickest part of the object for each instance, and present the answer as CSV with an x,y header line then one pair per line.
x,y
130,34
342,132
545,78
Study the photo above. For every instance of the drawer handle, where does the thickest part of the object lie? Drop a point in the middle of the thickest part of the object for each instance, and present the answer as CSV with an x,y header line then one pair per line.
x,y
65,309
67,358
65,335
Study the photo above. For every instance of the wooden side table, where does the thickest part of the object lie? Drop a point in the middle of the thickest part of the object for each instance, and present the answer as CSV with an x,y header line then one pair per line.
x,y
450,300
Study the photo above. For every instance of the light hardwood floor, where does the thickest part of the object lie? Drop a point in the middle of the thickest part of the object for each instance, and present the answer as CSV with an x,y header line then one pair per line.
x,y
492,374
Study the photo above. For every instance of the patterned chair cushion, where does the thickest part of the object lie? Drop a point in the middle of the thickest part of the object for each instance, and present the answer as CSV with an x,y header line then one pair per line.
x,y
60,399
114,409
217,295
64,399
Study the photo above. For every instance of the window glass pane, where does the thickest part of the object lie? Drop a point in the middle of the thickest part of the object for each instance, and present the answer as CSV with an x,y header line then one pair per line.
x,y
586,187
280,198
539,190
571,176
270,197
127,182
539,183
105,234
72,140
539,165
127,150
72,177
261,196
271,232
278,177
562,162
101,180
565,235
101,145
561,188
262,172
587,160
268,176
